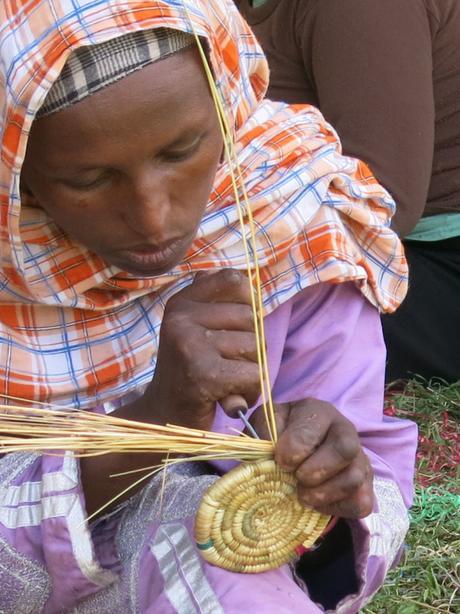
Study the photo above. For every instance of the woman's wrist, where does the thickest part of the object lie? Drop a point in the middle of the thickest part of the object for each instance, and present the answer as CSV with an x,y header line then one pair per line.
x,y
143,409
153,408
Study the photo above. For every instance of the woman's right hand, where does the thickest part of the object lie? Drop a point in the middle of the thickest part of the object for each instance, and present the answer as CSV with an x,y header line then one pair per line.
x,y
207,351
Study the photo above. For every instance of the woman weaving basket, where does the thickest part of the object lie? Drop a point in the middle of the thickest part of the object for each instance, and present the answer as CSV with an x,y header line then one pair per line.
x,y
124,290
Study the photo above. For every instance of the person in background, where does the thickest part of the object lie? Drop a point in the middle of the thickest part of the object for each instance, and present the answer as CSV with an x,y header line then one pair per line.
x,y
387,77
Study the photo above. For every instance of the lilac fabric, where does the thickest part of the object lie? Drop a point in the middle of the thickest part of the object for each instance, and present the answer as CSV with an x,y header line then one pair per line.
x,y
326,343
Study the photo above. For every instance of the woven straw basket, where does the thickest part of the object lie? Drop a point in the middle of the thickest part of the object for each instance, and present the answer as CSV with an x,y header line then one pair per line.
x,y
250,520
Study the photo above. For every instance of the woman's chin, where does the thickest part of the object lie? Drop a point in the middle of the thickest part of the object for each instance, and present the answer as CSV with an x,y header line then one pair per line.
x,y
136,271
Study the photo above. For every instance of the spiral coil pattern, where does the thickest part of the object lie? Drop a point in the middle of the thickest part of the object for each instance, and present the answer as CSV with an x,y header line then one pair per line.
x,y
250,520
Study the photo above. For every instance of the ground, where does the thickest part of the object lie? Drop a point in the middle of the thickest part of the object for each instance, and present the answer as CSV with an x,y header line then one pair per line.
x,y
428,577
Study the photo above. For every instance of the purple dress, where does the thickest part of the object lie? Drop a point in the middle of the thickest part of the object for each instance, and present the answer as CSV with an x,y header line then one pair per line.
x,y
326,343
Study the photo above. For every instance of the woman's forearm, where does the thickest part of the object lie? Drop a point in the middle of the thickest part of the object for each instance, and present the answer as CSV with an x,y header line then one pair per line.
x,y
98,486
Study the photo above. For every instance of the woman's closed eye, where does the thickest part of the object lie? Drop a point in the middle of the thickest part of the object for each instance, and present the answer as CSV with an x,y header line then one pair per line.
x,y
181,152
88,182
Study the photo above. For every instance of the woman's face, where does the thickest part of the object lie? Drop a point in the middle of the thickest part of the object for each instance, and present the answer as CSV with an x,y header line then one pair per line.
x,y
128,171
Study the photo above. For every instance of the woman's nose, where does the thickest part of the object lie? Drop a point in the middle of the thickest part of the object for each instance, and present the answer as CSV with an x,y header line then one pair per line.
x,y
148,208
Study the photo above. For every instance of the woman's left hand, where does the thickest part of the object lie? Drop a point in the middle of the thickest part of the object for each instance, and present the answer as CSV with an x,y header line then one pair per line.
x,y
322,447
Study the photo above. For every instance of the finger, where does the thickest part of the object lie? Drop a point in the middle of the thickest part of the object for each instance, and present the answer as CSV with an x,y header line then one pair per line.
x,y
226,316
215,316
233,345
342,487
259,421
358,506
223,377
338,450
225,285
306,429
233,404
243,379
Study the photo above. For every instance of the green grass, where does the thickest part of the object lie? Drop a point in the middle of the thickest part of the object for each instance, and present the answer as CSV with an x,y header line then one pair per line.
x,y
428,577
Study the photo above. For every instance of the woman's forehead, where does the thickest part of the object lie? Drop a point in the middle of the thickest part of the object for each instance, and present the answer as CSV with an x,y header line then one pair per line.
x,y
164,101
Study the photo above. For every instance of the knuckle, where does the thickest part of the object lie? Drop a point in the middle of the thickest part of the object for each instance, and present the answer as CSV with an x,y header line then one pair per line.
x,y
305,499
205,394
313,406
174,321
196,370
210,367
366,506
248,371
305,440
192,373
358,506
314,498
252,346
369,472
296,456
245,317
359,509
364,510
303,474
347,447
231,277
355,479
176,301
245,345
238,284
355,511
212,371
204,378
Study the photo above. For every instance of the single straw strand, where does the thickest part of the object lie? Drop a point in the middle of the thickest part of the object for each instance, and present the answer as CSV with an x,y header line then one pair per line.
x,y
267,400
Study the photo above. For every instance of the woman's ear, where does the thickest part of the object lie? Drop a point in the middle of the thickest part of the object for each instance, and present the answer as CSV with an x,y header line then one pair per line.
x,y
27,197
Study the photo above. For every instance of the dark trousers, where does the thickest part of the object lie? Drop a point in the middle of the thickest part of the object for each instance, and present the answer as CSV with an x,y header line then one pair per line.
x,y
423,336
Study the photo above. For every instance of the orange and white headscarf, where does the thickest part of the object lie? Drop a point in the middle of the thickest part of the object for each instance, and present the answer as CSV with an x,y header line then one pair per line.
x,y
75,330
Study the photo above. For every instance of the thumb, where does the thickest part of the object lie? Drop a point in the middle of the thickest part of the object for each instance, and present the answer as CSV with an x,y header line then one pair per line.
x,y
307,426
258,420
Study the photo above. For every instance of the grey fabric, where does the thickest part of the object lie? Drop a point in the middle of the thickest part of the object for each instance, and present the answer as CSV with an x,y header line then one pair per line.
x,y
89,69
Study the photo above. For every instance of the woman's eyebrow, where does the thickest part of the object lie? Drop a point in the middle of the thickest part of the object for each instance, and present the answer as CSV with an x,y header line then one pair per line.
x,y
69,171
189,134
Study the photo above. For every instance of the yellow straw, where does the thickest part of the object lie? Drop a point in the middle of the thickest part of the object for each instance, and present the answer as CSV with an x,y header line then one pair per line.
x,y
89,434
257,307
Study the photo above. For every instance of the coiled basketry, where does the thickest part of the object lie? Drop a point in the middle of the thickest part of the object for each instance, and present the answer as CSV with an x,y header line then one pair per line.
x,y
250,520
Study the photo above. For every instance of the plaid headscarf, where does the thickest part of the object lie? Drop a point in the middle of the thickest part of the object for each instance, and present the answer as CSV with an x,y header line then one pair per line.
x,y
89,69
73,329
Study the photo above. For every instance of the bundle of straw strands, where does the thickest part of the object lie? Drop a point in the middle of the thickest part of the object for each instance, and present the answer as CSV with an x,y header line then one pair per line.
x,y
32,429
250,519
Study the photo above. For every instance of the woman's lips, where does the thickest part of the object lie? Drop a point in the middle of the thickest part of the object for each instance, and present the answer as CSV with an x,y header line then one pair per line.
x,y
149,259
